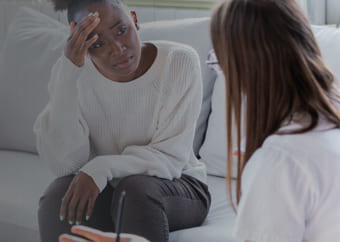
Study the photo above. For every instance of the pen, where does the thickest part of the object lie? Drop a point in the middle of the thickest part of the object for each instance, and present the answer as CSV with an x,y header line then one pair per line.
x,y
120,214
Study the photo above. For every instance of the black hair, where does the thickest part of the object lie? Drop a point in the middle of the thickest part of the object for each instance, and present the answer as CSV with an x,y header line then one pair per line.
x,y
74,6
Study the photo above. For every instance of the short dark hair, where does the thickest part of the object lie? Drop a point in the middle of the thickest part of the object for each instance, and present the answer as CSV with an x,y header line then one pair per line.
x,y
74,6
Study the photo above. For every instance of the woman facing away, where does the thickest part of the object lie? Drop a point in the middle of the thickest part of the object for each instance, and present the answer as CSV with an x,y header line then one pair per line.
x,y
121,117
288,186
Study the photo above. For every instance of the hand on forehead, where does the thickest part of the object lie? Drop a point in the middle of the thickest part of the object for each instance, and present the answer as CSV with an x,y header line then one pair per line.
x,y
110,15
105,8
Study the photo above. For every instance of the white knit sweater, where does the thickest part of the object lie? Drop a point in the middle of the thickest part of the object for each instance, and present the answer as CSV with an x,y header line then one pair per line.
x,y
113,129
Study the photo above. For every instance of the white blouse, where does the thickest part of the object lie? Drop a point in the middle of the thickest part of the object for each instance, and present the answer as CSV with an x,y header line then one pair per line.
x,y
291,188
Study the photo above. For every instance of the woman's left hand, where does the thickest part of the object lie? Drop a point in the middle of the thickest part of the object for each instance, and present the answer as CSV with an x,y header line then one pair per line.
x,y
82,192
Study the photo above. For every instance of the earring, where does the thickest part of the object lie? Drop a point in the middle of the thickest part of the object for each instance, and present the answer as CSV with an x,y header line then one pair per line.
x,y
135,19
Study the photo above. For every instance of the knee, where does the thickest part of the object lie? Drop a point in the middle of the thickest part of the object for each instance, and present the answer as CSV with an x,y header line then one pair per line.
x,y
51,199
50,227
138,187
141,194
143,210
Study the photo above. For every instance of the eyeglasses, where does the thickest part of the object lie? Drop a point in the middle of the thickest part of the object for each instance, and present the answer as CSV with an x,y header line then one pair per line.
x,y
212,62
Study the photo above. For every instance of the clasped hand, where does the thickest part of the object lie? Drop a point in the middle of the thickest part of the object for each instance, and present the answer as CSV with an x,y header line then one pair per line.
x,y
81,193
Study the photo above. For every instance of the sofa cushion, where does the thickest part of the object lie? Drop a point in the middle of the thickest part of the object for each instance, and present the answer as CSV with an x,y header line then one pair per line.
x,y
23,178
219,224
328,38
33,44
213,150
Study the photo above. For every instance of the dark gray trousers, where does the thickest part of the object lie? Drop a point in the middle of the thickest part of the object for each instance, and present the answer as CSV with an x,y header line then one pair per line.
x,y
153,207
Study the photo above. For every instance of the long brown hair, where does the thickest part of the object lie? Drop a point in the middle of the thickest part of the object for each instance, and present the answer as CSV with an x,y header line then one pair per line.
x,y
269,55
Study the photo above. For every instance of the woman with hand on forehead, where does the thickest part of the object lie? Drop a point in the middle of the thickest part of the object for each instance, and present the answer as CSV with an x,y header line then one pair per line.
x,y
121,117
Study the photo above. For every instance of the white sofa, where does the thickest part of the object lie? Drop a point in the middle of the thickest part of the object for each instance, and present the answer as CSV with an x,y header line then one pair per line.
x,y
31,46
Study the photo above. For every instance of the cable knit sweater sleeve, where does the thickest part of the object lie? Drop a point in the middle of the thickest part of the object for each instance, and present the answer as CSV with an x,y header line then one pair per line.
x,y
61,131
171,146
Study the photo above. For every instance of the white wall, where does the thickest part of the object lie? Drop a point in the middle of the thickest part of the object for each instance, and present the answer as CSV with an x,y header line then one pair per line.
x,y
322,11
153,14
144,14
319,11
316,10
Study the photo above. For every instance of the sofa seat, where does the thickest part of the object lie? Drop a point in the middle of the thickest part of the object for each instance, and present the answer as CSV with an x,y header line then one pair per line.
x,y
219,224
24,177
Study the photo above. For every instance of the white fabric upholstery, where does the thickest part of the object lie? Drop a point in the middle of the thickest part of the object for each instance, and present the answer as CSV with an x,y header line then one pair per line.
x,y
23,178
328,38
33,44
213,151
219,224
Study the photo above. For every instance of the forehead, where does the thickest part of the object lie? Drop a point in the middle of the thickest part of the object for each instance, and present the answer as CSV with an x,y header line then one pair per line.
x,y
108,12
